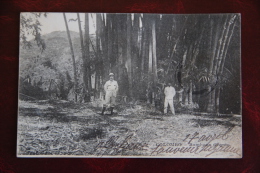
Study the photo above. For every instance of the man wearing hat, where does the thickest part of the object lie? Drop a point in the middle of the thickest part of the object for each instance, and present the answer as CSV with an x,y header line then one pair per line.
x,y
111,88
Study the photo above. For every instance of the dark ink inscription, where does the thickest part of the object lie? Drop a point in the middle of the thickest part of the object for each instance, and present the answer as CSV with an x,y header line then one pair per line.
x,y
208,148
219,148
197,144
115,146
169,144
208,138
161,149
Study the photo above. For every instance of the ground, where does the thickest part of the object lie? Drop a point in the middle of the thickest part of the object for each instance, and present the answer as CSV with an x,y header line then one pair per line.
x,y
56,127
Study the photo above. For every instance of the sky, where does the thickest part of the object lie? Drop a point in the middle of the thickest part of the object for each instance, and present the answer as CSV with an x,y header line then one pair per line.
x,y
55,22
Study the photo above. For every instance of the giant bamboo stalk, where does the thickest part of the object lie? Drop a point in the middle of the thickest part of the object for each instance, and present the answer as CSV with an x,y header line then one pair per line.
x,y
150,70
110,41
183,94
150,66
226,49
73,57
217,99
211,46
87,54
99,64
143,47
220,42
190,92
154,52
135,50
83,55
224,42
173,49
115,45
104,41
129,53
211,102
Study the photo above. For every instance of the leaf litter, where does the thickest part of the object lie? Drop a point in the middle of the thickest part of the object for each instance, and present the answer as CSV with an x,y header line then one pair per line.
x,y
66,128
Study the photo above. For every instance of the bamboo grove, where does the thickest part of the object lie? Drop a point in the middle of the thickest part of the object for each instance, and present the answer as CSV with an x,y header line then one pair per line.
x,y
199,54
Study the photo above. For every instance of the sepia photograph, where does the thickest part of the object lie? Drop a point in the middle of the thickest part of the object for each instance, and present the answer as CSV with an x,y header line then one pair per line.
x,y
129,85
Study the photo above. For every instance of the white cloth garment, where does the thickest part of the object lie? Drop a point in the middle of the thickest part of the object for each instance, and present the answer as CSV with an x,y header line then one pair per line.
x,y
169,93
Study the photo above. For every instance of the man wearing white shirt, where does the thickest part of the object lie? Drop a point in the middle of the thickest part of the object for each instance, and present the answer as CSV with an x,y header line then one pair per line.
x,y
169,93
111,89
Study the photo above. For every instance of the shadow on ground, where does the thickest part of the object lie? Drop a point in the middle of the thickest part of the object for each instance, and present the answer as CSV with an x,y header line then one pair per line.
x,y
226,122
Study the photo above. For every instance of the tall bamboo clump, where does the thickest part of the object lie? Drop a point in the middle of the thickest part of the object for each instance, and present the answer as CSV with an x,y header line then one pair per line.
x,y
219,52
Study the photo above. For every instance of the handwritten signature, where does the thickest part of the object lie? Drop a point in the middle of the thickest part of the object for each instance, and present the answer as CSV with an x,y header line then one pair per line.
x,y
114,145
208,147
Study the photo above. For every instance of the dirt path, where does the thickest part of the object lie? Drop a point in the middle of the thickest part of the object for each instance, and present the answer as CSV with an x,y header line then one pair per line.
x,y
64,128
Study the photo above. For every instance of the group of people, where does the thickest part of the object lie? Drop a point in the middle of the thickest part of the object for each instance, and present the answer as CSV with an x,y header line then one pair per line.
x,y
111,89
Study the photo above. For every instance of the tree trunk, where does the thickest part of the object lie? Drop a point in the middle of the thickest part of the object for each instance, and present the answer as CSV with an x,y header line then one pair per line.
x,y
135,54
217,99
143,56
198,95
190,93
85,79
224,43
115,62
184,94
145,47
212,47
73,58
150,73
180,97
219,48
49,90
129,54
99,64
109,41
104,41
154,52
87,60
186,100
226,49
213,65
211,54
150,69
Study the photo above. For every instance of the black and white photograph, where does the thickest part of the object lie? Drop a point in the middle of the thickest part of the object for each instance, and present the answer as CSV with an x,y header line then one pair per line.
x,y
129,85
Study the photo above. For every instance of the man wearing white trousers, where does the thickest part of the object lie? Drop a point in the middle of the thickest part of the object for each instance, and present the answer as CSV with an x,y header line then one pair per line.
x,y
111,89
169,93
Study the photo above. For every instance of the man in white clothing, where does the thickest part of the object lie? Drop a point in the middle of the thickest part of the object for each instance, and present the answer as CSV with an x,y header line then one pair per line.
x,y
111,89
169,93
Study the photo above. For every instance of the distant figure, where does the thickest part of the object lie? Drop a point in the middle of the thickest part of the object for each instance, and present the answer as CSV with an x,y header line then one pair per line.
x,y
169,93
111,88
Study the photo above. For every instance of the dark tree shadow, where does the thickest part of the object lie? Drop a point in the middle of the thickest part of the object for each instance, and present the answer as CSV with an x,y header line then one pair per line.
x,y
206,123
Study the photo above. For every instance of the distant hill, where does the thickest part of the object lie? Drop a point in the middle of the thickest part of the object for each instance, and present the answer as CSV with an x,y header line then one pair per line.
x,y
59,38
55,59
62,34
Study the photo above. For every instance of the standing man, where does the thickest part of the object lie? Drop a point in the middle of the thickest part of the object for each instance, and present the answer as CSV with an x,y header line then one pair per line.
x,y
111,88
169,93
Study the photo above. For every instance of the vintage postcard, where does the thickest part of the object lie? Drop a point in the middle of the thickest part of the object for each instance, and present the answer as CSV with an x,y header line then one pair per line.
x,y
130,85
